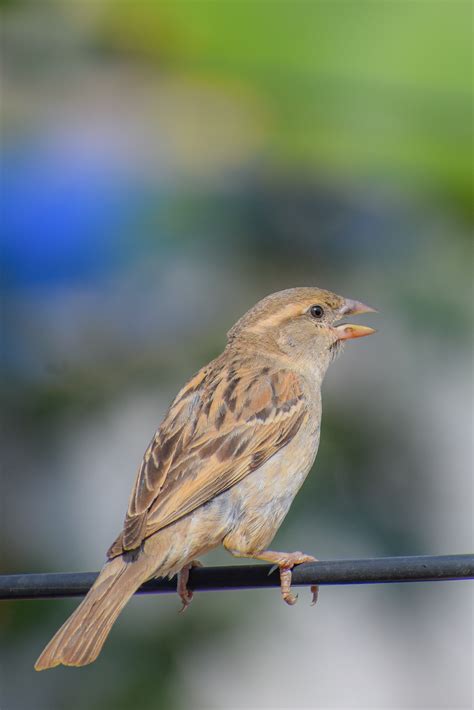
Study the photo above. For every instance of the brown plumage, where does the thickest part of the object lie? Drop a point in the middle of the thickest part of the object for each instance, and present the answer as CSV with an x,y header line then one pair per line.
x,y
226,462
205,445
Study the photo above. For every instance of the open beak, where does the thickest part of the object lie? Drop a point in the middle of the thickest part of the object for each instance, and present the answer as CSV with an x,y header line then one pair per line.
x,y
346,331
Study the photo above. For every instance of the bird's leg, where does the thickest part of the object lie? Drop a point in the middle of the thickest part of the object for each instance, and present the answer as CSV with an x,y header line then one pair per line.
x,y
186,594
285,561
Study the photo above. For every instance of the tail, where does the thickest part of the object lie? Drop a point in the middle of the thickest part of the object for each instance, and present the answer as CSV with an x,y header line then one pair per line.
x,y
80,639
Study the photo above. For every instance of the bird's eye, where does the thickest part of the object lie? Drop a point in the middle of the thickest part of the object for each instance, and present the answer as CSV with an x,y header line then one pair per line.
x,y
317,311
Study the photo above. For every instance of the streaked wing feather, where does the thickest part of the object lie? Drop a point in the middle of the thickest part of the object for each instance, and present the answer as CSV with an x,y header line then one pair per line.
x,y
219,429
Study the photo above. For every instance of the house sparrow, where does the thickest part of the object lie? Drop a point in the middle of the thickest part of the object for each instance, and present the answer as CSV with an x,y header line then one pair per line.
x,y
223,468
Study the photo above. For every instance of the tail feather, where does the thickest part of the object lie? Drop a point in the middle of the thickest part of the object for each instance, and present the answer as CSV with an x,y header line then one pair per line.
x,y
80,639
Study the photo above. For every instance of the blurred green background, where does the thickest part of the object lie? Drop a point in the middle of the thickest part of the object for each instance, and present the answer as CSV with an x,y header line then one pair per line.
x,y
164,166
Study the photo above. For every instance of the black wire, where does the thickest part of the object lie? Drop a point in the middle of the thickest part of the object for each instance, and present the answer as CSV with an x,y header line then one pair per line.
x,y
383,569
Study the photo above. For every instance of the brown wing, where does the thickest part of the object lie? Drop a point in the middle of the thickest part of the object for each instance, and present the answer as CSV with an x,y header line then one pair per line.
x,y
219,429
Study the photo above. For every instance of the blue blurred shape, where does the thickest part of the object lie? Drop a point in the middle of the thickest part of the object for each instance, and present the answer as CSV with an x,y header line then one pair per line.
x,y
62,217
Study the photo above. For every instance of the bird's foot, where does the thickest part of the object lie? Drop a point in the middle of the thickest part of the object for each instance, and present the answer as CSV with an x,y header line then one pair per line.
x,y
186,594
286,561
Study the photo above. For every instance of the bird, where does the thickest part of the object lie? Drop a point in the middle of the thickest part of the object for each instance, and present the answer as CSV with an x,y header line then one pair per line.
x,y
225,464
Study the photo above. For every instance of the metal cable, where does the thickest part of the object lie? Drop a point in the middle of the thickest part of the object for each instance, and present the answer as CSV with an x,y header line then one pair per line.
x,y
367,571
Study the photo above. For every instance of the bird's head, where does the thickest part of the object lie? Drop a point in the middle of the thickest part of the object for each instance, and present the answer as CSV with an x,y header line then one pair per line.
x,y
303,323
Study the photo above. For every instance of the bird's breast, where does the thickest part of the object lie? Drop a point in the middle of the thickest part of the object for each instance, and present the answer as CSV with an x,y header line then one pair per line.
x,y
277,481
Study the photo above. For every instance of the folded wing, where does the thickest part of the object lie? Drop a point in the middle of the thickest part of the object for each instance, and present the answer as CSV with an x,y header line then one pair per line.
x,y
220,428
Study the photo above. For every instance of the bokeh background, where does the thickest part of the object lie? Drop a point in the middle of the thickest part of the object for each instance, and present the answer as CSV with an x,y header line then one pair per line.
x,y
164,166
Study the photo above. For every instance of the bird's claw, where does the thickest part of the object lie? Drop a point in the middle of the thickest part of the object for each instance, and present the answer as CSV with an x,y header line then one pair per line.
x,y
292,559
186,594
186,599
290,598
